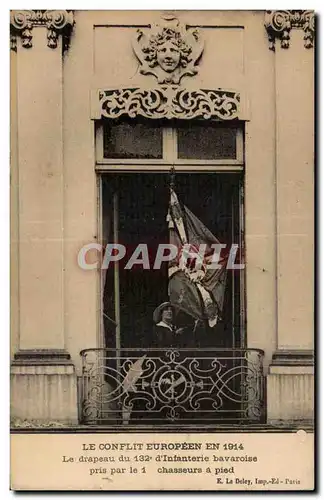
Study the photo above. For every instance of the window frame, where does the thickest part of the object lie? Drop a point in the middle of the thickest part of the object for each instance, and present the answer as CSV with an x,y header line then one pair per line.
x,y
230,166
170,153
115,217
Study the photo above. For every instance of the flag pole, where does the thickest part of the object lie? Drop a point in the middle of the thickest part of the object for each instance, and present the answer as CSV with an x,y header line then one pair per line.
x,y
171,188
172,177
116,282
232,275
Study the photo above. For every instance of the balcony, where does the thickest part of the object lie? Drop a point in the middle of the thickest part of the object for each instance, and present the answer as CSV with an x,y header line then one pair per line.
x,y
172,387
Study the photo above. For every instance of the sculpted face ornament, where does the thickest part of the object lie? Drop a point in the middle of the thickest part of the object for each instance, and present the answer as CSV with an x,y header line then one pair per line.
x,y
168,52
168,56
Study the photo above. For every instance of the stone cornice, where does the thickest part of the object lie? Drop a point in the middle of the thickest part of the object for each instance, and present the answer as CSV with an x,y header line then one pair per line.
x,y
293,357
279,23
57,22
41,357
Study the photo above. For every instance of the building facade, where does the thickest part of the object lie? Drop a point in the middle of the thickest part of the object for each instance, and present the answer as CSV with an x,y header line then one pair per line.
x,y
108,103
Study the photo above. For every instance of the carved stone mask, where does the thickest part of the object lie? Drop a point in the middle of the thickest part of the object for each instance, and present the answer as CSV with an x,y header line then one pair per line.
x,y
168,51
168,56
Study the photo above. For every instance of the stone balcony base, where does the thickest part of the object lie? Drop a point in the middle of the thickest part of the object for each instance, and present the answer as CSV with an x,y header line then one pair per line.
x,y
290,388
43,388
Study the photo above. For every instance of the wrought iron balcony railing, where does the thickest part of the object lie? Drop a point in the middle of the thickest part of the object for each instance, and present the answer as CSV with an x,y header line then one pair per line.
x,y
172,386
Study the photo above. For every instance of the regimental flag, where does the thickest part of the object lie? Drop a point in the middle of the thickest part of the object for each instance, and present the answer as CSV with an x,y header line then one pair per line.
x,y
194,287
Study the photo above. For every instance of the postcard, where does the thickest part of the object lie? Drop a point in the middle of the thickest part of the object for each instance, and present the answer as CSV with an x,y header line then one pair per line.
x,y
162,250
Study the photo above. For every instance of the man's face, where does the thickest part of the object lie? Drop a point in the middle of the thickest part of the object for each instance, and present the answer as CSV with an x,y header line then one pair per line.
x,y
167,315
168,56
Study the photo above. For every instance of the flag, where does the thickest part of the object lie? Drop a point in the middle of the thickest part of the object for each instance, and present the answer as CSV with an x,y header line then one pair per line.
x,y
193,286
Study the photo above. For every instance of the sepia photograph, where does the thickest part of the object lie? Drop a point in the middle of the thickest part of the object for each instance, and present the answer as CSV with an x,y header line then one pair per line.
x,y
162,249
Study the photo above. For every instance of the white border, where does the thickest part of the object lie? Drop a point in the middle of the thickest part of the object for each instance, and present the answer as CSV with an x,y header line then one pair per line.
x,y
4,182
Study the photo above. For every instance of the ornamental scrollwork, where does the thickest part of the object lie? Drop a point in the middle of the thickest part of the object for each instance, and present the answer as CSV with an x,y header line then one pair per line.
x,y
309,28
279,23
169,102
57,22
172,386
168,50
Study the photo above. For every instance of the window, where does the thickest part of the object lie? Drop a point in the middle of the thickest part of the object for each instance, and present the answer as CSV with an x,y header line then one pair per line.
x,y
134,158
134,211
155,143
132,140
206,143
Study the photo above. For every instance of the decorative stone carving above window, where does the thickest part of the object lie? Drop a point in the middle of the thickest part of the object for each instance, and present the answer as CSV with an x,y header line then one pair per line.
x,y
279,23
57,22
167,102
168,50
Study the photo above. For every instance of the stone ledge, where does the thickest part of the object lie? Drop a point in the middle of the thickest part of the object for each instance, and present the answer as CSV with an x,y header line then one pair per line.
x,y
20,423
291,370
41,357
297,423
42,369
290,357
276,426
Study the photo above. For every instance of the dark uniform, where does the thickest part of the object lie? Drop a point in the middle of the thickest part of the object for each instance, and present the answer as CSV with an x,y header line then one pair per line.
x,y
166,336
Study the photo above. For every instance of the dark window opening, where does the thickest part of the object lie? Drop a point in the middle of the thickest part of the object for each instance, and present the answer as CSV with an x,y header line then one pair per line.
x,y
141,214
